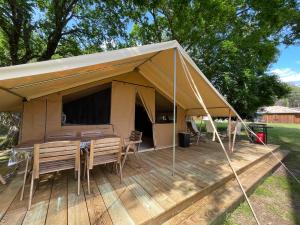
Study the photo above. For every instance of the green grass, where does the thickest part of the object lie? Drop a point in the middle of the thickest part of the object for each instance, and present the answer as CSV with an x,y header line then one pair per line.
x,y
278,196
263,191
221,126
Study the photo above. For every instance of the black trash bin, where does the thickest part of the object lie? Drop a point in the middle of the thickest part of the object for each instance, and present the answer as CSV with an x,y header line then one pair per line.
x,y
184,139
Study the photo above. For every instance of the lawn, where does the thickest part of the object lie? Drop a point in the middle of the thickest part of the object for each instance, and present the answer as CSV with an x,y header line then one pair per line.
x,y
277,199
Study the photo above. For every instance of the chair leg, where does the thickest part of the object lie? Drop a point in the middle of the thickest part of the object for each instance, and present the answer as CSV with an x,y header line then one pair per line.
x,y
112,168
115,167
24,180
84,168
123,161
2,180
78,191
31,191
88,177
214,136
121,173
88,180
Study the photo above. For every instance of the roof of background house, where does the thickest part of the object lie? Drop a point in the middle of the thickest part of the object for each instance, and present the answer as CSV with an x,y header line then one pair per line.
x,y
278,110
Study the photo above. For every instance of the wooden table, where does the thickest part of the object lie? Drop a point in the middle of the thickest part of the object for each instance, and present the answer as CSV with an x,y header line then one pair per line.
x,y
28,146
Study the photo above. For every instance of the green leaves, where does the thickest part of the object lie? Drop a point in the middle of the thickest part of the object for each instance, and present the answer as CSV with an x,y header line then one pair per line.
x,y
233,42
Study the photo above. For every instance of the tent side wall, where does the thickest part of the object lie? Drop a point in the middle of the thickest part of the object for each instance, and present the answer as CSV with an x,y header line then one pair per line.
x,y
42,116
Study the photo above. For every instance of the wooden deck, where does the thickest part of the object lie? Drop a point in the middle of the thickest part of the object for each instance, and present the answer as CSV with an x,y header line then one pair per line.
x,y
148,194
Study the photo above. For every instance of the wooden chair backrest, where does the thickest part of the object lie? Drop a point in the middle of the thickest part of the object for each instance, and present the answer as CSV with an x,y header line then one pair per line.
x,y
49,152
192,127
209,127
91,133
105,147
135,135
61,135
235,126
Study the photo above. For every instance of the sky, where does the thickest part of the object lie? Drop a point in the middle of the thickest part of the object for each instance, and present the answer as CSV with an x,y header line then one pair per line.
x,y
288,65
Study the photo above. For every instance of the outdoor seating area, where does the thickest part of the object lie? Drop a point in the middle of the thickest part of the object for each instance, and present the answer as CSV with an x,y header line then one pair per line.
x,y
81,152
148,193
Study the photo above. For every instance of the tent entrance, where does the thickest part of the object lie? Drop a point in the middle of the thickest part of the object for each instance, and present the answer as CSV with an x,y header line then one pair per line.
x,y
143,124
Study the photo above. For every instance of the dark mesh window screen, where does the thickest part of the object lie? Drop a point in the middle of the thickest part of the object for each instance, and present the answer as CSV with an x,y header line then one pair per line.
x,y
163,109
89,110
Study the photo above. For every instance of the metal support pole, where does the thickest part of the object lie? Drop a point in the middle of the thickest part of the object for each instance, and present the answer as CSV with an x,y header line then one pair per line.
x,y
174,111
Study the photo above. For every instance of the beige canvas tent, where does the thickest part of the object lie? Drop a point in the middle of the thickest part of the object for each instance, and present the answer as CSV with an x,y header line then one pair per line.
x,y
108,90
40,90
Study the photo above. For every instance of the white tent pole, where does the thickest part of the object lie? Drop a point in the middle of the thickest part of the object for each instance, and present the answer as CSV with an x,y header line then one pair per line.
x,y
200,100
174,111
234,136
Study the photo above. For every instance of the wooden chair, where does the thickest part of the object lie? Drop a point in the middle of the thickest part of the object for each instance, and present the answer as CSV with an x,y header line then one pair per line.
x,y
235,127
103,151
210,129
61,135
91,133
132,144
193,130
55,156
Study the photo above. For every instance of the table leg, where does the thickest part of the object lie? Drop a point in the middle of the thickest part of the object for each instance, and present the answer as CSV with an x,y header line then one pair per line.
x,y
2,180
24,180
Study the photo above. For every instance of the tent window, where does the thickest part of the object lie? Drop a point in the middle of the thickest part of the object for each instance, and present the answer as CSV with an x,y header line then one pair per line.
x,y
86,108
163,109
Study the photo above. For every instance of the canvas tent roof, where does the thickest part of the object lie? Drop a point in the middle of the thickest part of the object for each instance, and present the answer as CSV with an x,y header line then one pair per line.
x,y
154,62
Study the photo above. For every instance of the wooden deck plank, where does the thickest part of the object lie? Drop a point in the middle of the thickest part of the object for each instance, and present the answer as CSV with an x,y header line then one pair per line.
x,y
9,194
155,191
139,209
213,206
97,210
208,208
77,208
17,210
154,161
58,205
149,193
176,183
40,201
174,194
117,211
151,206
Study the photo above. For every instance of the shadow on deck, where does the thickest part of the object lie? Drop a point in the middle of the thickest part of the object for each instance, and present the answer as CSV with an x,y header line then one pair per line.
x,y
149,194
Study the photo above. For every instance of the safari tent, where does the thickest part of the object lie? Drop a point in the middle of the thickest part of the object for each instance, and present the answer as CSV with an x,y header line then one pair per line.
x,y
151,88
115,91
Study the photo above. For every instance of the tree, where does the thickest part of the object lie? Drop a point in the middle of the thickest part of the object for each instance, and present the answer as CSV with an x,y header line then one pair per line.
x,y
40,30
293,100
233,42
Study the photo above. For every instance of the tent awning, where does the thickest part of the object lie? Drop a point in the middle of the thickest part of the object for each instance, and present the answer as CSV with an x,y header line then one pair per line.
x,y
154,62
